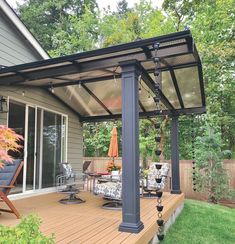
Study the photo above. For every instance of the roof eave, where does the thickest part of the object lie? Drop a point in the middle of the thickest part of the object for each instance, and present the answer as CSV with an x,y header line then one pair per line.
x,y
10,13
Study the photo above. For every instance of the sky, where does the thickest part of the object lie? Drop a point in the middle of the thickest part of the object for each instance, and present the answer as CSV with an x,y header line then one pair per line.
x,y
102,3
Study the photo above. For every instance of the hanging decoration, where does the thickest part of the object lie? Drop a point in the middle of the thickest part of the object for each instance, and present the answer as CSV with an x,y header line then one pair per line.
x,y
193,134
158,84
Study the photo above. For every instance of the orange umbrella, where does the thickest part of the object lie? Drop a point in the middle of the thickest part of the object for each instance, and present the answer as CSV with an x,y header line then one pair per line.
x,y
113,147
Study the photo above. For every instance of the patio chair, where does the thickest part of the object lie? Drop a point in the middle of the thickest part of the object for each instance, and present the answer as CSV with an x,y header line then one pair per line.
x,y
155,180
70,183
85,167
110,189
8,176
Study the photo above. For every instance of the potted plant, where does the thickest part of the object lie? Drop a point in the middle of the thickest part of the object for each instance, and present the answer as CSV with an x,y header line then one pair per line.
x,y
9,141
113,169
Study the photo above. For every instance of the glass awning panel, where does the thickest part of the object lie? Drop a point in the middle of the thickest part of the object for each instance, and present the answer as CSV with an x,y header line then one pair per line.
x,y
78,98
109,92
168,89
90,82
189,86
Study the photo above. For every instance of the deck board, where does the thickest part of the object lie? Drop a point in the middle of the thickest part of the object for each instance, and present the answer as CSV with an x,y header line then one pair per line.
x,y
88,222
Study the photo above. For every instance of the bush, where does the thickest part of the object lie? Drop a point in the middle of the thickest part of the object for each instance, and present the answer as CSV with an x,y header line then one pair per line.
x,y
210,175
25,232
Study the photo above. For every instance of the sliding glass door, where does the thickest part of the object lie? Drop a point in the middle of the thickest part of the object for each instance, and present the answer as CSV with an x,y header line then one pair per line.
x,y
44,145
30,160
16,121
52,141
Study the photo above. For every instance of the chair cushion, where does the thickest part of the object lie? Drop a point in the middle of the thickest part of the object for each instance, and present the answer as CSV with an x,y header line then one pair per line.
x,y
7,173
67,170
112,190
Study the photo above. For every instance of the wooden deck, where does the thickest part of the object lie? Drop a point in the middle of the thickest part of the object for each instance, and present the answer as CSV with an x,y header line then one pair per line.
x,y
88,222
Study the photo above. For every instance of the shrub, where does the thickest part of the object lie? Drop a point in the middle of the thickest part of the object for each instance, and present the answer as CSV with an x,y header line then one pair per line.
x,y
210,175
9,141
25,232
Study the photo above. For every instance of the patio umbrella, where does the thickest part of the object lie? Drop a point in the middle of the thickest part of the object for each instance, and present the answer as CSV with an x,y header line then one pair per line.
x,y
113,146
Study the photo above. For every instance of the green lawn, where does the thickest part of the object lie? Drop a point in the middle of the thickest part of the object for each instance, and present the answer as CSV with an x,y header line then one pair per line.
x,y
203,223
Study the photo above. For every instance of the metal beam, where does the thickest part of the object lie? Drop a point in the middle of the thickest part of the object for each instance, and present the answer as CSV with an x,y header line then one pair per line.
x,y
65,104
147,52
142,106
175,156
130,149
103,51
147,114
151,84
70,82
76,65
200,74
96,98
16,79
175,82
173,77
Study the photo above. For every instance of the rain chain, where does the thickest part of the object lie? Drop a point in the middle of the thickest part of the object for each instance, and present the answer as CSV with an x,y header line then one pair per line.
x,y
158,79
193,153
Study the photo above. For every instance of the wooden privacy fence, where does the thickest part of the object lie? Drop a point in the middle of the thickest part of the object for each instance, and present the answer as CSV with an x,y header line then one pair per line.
x,y
99,164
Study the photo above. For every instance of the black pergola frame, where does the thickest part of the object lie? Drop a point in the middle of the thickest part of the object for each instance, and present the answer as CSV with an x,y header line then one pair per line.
x,y
19,74
131,68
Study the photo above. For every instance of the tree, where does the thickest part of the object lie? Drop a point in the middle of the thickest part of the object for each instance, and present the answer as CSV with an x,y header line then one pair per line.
x,y
65,26
215,38
210,174
122,8
81,36
47,18
211,22
97,138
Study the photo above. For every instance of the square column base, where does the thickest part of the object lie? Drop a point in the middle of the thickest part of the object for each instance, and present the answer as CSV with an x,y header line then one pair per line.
x,y
131,227
176,192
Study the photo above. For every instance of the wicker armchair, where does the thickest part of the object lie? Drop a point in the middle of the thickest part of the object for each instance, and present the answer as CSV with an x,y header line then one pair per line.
x,y
70,183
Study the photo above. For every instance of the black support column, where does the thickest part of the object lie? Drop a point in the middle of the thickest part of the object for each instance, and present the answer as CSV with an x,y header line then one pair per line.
x,y
175,156
130,148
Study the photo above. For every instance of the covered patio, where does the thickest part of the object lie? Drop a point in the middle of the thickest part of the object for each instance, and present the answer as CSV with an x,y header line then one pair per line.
x,y
147,78
89,223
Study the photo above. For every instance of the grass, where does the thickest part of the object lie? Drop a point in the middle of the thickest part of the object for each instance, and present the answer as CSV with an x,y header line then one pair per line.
x,y
203,223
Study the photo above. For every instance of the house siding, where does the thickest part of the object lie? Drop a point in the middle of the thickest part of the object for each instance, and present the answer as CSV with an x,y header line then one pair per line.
x,y
37,96
14,48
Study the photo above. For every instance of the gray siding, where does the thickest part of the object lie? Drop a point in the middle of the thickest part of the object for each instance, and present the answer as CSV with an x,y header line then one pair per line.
x,y
41,98
14,48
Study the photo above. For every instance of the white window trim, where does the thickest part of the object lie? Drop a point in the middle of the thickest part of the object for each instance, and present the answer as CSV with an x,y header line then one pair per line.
x,y
27,104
